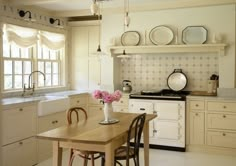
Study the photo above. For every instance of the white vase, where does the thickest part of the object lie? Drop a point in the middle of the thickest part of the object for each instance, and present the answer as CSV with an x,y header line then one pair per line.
x,y
107,111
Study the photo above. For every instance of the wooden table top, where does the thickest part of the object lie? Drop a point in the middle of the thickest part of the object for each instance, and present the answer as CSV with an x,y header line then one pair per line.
x,y
91,131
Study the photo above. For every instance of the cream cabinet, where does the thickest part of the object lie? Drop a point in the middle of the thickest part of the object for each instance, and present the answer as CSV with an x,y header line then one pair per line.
x,y
18,131
80,100
197,122
21,153
213,124
85,65
46,123
94,106
122,105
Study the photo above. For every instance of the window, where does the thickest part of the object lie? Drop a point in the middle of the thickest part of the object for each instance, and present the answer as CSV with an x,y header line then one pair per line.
x,y
23,54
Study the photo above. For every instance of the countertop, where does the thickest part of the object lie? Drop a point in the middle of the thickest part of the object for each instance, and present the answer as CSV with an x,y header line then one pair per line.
x,y
37,98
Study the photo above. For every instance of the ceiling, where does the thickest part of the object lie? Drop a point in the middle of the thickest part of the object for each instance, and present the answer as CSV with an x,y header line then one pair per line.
x,y
67,8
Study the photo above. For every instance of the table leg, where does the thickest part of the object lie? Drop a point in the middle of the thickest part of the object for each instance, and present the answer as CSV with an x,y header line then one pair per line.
x,y
146,143
57,154
109,155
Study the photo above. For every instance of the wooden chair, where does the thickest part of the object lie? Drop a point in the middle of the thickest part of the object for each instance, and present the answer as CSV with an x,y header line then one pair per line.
x,y
86,155
131,150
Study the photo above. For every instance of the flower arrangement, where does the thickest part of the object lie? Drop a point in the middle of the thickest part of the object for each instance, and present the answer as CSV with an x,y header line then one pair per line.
x,y
107,97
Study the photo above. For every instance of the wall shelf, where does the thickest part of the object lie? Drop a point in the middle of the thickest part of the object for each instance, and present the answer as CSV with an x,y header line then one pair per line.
x,y
152,49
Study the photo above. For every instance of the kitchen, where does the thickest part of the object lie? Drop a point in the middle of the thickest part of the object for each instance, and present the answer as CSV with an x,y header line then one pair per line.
x,y
150,71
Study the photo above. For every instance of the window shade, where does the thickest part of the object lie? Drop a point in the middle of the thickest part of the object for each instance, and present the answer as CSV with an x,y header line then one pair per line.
x,y
54,41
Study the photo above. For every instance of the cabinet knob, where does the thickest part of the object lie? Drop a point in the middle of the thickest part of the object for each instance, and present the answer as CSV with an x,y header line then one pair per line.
x,y
196,105
121,101
196,114
224,134
224,116
100,108
77,101
20,143
224,107
21,109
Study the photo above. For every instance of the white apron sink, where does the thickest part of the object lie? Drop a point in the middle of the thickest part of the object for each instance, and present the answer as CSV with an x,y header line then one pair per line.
x,y
52,104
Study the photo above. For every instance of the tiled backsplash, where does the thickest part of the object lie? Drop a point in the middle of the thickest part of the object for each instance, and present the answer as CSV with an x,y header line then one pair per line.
x,y
148,72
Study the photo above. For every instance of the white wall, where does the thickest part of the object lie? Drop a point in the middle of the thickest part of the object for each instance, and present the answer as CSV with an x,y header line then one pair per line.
x,y
217,19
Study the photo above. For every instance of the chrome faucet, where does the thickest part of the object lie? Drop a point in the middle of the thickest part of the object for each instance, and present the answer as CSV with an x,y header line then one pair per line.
x,y
30,80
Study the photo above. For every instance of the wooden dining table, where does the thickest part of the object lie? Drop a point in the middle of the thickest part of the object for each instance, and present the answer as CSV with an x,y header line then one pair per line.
x,y
92,136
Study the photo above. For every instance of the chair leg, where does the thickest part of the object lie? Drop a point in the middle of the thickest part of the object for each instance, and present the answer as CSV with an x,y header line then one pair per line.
x,y
92,159
102,161
71,160
85,160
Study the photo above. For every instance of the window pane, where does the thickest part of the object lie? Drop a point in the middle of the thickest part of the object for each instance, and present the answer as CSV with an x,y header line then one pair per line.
x,y
41,66
18,67
6,50
40,80
7,82
15,51
48,80
18,81
7,67
39,53
25,53
53,55
55,79
45,53
48,67
27,67
26,80
55,68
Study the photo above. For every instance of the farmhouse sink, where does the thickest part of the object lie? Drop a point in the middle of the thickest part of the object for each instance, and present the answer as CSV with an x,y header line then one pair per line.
x,y
52,104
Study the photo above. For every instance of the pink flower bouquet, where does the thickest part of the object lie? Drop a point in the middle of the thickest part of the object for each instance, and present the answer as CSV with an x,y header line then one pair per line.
x,y
107,97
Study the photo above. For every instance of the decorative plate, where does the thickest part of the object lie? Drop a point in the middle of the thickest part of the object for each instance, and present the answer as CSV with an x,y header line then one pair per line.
x,y
194,35
130,38
161,35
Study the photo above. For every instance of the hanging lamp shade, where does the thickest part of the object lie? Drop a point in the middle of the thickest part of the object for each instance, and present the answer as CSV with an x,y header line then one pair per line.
x,y
123,55
94,8
127,19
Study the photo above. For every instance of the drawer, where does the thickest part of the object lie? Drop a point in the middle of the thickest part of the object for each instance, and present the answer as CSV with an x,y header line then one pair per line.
x,y
78,101
197,105
120,109
221,121
221,106
124,101
221,139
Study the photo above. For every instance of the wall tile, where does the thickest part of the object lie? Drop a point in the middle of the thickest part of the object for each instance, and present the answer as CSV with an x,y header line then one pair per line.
x,y
148,72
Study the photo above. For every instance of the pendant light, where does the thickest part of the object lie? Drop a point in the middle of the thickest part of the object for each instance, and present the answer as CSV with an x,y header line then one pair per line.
x,y
124,56
99,53
94,7
126,11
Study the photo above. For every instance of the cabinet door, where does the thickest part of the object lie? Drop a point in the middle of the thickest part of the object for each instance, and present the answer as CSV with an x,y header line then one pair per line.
x,y
94,74
79,100
46,123
19,123
197,131
93,39
79,58
21,153
93,110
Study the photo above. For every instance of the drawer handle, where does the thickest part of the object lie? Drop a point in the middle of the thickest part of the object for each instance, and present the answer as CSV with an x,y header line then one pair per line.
x,y
224,134
224,116
21,109
142,109
20,143
224,107
154,131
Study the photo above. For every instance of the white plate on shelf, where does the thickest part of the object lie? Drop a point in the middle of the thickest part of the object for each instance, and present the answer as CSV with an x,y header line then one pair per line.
x,y
194,35
161,35
130,38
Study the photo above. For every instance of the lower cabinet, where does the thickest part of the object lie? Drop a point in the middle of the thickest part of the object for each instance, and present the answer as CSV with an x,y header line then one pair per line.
x,y
197,128
46,123
22,153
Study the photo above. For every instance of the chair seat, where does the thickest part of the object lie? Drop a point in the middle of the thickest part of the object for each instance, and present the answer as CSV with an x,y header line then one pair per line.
x,y
85,154
121,153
